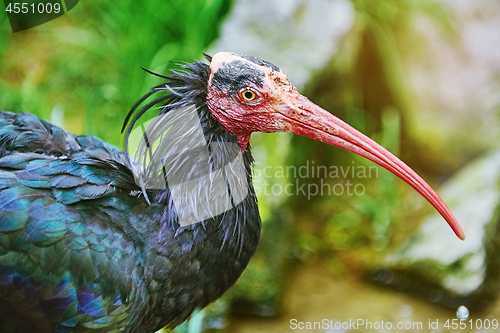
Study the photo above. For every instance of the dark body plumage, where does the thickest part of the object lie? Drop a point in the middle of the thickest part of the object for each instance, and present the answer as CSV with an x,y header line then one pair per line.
x,y
83,248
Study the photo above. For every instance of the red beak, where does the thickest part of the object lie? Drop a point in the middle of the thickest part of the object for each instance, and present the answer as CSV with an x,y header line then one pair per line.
x,y
307,119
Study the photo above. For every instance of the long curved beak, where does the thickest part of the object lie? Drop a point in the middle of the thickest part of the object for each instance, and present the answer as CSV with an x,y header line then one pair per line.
x,y
306,118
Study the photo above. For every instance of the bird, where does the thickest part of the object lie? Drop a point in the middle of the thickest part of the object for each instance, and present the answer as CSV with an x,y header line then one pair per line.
x,y
96,239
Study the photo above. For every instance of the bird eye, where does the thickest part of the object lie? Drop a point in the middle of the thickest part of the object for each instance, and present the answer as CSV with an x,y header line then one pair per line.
x,y
247,95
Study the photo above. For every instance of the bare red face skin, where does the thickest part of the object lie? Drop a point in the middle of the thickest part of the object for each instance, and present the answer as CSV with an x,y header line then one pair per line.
x,y
246,95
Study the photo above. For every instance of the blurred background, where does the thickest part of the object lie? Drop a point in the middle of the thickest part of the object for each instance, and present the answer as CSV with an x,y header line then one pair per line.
x,y
422,78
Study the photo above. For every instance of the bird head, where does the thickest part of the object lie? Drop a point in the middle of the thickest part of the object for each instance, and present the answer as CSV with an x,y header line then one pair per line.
x,y
246,94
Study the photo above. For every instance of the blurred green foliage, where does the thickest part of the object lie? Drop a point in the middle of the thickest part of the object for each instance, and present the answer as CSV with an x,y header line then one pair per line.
x,y
366,86
390,26
87,65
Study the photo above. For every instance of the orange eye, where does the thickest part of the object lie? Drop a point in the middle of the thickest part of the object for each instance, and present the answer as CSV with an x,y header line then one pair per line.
x,y
248,95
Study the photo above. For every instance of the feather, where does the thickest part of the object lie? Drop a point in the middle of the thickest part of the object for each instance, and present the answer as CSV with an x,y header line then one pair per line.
x,y
13,220
66,181
45,232
17,199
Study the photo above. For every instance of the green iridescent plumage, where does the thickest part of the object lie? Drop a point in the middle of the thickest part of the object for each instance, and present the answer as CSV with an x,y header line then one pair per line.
x,y
84,248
